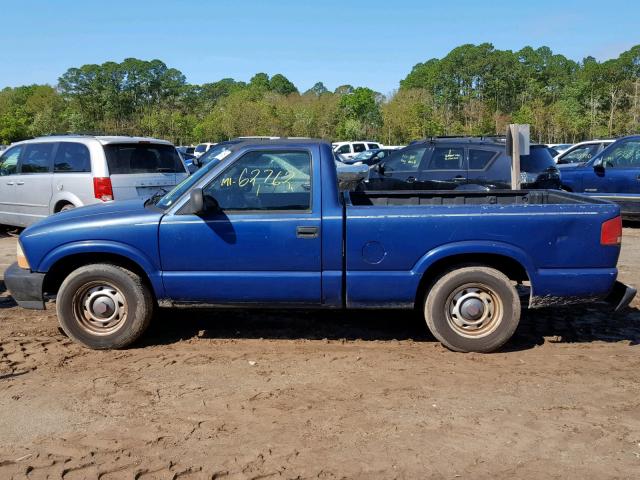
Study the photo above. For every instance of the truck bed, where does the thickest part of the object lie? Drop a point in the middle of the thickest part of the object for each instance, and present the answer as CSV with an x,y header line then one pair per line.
x,y
452,197
394,237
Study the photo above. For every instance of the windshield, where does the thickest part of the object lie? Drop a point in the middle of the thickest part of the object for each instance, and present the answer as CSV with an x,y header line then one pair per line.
x,y
180,189
365,155
216,153
538,160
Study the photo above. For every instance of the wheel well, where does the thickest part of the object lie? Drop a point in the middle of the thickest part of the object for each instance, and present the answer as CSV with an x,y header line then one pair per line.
x,y
61,204
63,267
507,265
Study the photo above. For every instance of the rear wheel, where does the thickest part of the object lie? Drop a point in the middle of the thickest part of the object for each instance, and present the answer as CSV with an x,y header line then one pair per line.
x,y
104,306
67,206
472,309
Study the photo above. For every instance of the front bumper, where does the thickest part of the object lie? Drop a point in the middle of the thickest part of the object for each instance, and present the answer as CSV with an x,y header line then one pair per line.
x,y
25,287
620,296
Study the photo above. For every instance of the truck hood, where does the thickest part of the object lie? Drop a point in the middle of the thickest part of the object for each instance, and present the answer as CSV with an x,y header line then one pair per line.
x,y
97,212
126,228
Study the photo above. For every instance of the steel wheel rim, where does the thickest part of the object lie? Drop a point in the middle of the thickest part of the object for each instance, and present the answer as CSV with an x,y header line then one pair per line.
x,y
100,308
474,310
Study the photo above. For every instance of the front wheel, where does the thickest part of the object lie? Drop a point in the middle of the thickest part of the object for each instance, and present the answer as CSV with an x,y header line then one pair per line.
x,y
472,309
104,306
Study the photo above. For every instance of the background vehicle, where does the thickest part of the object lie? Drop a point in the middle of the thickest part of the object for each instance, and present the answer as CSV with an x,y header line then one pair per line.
x,y
347,150
49,174
559,147
553,152
582,152
369,157
461,163
186,149
188,159
201,148
268,226
613,174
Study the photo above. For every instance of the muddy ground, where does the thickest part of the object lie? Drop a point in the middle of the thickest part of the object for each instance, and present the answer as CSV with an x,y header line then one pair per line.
x,y
211,394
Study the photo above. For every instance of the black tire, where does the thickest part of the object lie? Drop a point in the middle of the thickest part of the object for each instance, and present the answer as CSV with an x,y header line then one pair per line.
x,y
126,301
67,206
461,295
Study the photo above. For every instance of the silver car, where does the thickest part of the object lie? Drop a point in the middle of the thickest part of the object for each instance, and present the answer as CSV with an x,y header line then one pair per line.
x,y
46,175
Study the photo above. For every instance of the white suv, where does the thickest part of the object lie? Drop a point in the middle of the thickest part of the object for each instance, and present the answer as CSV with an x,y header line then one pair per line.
x,y
49,174
347,150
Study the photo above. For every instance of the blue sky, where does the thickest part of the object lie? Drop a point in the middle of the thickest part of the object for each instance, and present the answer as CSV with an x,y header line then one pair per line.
x,y
370,43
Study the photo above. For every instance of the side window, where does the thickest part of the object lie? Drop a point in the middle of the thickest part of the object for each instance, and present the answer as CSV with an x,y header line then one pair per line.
x,y
581,154
359,147
9,161
446,159
72,157
480,159
373,146
626,155
265,180
404,160
36,158
344,149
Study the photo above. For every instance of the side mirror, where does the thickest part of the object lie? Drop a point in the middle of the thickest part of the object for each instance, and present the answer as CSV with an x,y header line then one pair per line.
x,y
197,201
201,203
196,161
598,167
379,167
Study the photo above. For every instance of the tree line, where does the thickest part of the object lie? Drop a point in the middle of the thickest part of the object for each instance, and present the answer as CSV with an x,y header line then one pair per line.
x,y
473,90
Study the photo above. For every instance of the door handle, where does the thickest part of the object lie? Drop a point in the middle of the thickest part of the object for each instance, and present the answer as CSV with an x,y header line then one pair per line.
x,y
638,177
307,232
458,178
11,183
19,183
410,179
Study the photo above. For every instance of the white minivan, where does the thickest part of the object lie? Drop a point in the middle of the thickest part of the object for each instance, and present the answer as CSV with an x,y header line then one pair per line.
x,y
46,175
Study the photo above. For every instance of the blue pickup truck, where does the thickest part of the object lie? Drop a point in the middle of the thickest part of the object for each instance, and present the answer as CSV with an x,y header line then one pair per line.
x,y
267,226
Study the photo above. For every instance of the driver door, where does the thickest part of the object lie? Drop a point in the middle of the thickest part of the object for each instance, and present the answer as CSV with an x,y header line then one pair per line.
x,y
262,245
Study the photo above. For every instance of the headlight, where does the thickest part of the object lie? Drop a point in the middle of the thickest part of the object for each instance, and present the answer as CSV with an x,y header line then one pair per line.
x,y
22,260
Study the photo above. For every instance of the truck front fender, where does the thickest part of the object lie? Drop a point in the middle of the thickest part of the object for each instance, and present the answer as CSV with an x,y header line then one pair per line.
x,y
98,247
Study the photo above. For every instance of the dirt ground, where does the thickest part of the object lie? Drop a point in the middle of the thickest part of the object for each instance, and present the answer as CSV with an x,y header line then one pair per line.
x,y
213,394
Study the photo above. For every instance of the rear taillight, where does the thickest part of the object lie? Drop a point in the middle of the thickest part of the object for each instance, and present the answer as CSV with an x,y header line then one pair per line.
x,y
102,188
611,233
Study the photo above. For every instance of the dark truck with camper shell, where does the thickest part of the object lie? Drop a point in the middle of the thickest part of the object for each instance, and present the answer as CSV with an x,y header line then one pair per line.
x,y
266,225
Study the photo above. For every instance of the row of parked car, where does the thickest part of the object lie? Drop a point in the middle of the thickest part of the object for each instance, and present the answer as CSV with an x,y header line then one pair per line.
x,y
608,169
46,175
